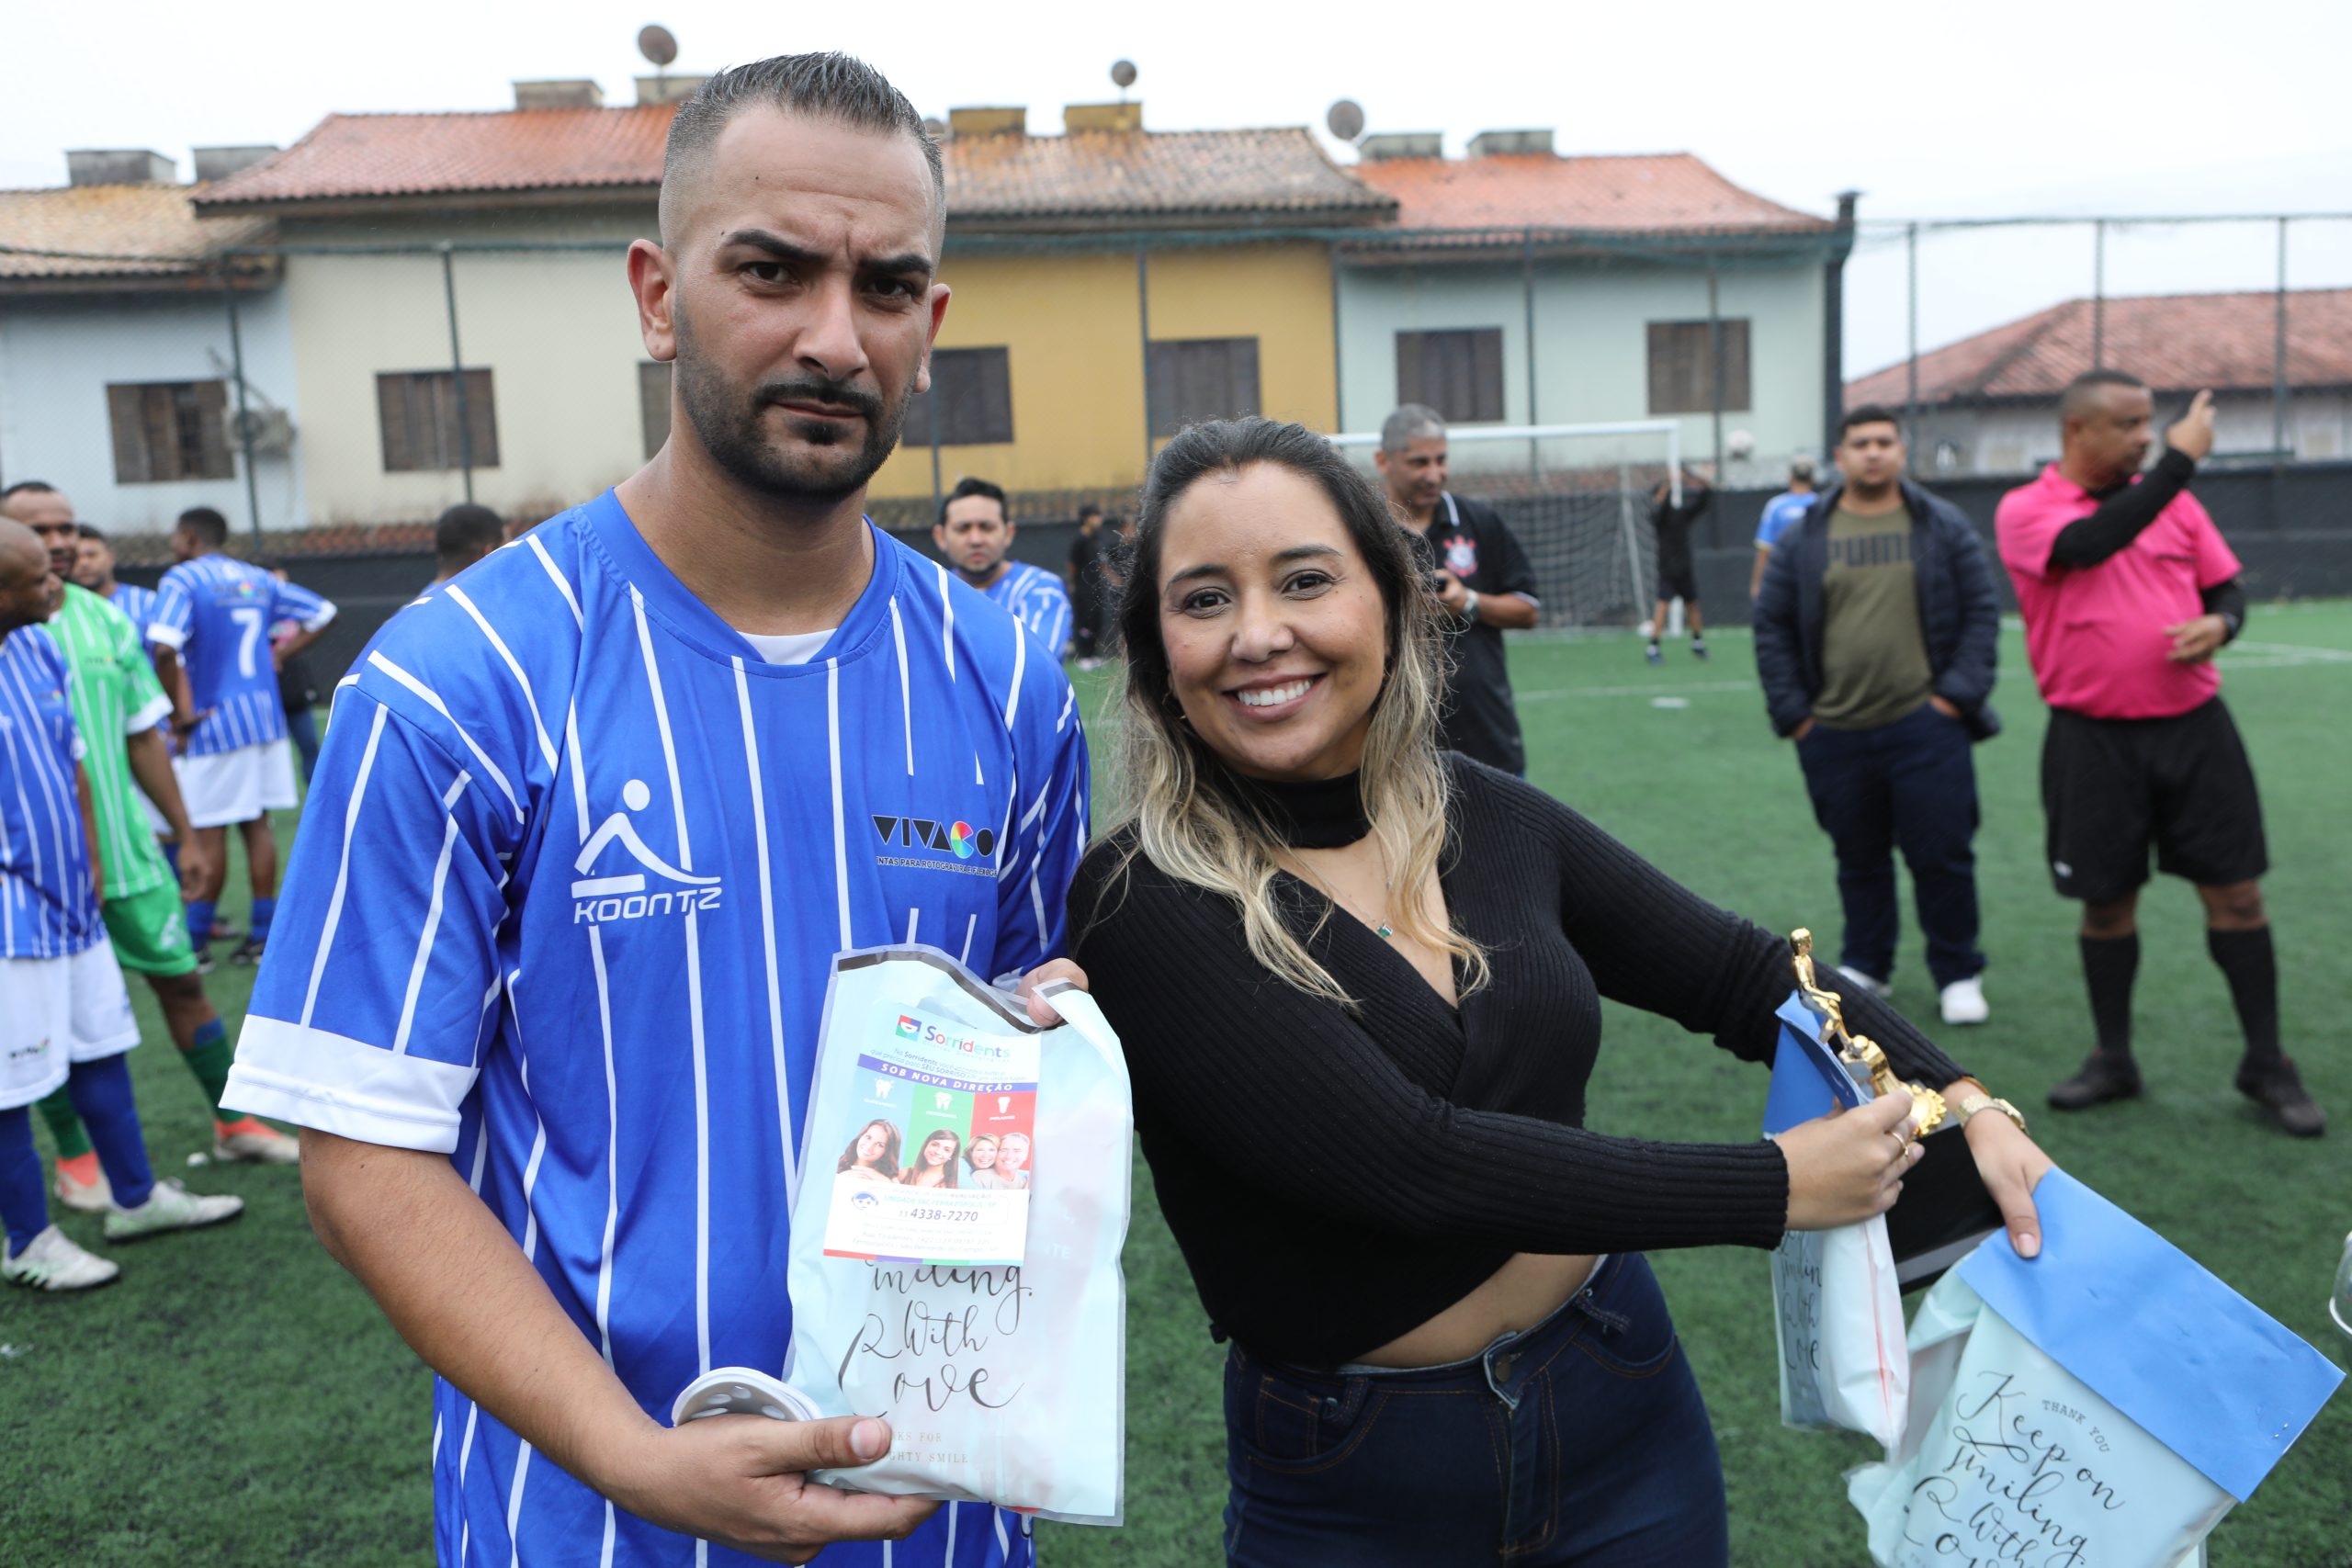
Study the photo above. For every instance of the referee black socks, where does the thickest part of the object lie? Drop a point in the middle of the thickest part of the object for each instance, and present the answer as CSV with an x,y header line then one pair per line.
x,y
2109,966
2251,965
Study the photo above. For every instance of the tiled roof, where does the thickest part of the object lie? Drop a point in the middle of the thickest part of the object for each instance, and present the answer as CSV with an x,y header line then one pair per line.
x,y
2175,343
96,227
1093,174
1644,193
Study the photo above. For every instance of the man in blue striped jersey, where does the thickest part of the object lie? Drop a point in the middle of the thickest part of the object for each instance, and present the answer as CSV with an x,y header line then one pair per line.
x,y
93,570
210,634
974,532
589,828
65,1019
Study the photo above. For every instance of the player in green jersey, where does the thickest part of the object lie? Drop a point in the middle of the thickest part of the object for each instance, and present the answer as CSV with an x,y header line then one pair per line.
x,y
114,693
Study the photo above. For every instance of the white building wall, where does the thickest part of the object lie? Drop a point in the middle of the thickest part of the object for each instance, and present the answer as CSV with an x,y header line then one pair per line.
x,y
58,354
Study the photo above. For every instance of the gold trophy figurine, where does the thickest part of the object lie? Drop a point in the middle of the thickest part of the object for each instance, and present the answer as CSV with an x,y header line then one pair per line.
x,y
1927,1105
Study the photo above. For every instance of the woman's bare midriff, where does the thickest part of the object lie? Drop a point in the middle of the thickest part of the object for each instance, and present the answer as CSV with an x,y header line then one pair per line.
x,y
1520,1294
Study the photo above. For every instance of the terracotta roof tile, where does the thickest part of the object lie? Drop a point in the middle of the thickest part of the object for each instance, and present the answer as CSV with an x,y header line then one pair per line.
x,y
2175,343
97,225
1643,193
1091,174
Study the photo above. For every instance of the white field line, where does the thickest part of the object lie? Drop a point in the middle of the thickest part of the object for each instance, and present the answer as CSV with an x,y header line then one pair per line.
x,y
2243,656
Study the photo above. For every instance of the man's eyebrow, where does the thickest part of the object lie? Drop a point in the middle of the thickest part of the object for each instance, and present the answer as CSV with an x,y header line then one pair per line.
x,y
776,246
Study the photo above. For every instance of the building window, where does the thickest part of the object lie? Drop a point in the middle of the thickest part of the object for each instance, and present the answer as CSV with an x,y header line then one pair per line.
x,y
169,430
418,413
1191,379
654,403
1460,374
971,394
1682,372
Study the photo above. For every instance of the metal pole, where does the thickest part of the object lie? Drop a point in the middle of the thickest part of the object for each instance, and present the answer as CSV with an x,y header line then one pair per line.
x,y
1527,288
244,425
1339,381
1833,321
2098,295
2278,360
1911,307
932,413
1143,324
1715,365
457,369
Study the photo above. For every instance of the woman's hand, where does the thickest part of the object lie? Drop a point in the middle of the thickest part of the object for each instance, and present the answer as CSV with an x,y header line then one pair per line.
x,y
2011,1165
1041,1013
1847,1166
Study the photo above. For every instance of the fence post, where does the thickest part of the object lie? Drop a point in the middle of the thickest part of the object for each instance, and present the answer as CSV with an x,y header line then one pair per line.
x,y
1143,324
2278,392
1911,331
244,425
1716,367
458,369
2098,294
1527,289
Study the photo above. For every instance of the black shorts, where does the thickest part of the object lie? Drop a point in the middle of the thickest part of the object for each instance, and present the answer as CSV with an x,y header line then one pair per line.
x,y
1678,583
2112,787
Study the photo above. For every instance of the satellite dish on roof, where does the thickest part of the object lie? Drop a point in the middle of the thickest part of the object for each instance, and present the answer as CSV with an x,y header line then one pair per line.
x,y
1345,119
658,44
1123,73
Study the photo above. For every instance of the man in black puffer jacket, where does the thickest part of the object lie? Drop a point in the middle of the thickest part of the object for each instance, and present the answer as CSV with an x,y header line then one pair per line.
x,y
1876,638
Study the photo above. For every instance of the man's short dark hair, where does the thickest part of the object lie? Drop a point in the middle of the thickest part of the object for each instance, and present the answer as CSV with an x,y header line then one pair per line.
x,y
207,525
839,88
2084,391
29,487
92,531
1089,509
976,486
466,533
1870,413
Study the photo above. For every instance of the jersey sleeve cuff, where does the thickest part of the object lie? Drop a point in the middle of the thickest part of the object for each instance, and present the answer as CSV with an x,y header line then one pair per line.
x,y
331,1082
170,637
158,709
318,622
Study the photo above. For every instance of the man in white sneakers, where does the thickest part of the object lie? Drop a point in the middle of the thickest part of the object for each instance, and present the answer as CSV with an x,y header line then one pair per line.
x,y
65,1018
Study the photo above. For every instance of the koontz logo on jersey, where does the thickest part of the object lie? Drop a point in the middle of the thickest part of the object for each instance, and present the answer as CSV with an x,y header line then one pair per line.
x,y
626,894
959,839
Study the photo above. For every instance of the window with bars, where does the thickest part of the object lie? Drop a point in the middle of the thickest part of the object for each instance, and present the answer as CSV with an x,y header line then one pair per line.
x,y
1683,370
1187,380
654,403
417,411
170,430
971,397
1458,373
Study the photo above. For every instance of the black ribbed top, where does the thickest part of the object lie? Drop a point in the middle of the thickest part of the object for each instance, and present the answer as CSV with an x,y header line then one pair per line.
x,y
1335,1179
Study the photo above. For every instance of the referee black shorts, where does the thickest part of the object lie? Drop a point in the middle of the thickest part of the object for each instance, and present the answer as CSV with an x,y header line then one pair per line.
x,y
2112,787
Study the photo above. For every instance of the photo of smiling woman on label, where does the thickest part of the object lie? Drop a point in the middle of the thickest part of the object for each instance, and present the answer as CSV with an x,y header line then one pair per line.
x,y
872,1156
1316,932
980,1158
935,1164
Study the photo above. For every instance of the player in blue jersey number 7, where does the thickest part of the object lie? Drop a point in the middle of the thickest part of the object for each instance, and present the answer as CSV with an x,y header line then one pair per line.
x,y
589,826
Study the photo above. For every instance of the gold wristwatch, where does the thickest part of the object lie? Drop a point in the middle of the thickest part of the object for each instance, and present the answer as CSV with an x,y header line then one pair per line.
x,y
1974,1103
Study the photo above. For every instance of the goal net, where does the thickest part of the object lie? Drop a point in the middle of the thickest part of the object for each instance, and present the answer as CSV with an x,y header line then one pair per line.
x,y
1578,498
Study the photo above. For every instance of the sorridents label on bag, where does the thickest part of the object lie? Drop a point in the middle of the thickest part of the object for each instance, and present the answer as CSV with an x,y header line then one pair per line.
x,y
939,1151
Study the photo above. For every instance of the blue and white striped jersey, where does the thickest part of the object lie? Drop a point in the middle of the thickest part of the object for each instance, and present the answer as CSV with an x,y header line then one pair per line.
x,y
430,591
577,864
48,909
215,612
137,605
1036,598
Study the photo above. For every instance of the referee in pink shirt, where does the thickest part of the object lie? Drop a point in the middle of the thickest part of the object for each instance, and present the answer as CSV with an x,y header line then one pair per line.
x,y
2128,591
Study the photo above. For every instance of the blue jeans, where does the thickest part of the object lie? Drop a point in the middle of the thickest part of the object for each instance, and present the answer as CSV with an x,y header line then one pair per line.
x,y
1910,785
302,728
1580,1440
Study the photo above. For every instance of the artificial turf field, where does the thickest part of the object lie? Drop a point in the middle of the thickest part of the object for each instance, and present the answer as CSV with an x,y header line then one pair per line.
x,y
236,1399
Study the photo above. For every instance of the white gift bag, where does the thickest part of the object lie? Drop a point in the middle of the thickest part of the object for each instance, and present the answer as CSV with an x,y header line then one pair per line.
x,y
1844,1363
978,1306
2104,1404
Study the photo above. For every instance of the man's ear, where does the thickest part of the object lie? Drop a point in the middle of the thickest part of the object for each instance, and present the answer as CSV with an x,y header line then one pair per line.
x,y
651,282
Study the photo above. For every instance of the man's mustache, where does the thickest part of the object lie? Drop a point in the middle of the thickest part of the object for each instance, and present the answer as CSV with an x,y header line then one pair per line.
x,y
816,389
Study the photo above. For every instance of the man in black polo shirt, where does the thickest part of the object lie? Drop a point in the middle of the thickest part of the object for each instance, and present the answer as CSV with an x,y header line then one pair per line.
x,y
1478,573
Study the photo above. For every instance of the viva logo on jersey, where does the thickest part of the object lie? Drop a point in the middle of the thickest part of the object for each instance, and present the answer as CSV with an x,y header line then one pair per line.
x,y
642,886
939,844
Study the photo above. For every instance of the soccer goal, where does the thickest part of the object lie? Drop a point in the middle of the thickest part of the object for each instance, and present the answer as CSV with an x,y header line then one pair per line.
x,y
1578,498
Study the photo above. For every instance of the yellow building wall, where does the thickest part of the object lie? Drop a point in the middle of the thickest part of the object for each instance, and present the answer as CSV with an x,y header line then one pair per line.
x,y
1279,293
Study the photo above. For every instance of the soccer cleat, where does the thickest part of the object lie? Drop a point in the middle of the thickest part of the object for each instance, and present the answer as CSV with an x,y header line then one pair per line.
x,y
51,1261
2104,1076
1868,982
2276,1086
1653,655
83,1197
1697,650
254,1141
171,1207
204,965
247,951
1962,1001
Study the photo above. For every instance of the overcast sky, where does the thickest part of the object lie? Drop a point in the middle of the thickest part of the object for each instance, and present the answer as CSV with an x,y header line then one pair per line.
x,y
1995,107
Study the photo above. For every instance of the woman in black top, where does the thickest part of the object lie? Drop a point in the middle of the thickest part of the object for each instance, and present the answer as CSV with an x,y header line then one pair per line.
x,y
1323,944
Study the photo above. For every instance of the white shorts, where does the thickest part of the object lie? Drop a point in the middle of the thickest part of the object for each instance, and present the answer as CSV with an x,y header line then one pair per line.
x,y
57,1012
237,786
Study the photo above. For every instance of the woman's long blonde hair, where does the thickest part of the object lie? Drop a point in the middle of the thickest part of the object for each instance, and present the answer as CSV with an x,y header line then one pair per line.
x,y
1188,819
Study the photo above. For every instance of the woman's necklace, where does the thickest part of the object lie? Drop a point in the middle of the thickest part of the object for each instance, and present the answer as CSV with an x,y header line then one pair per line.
x,y
1380,928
